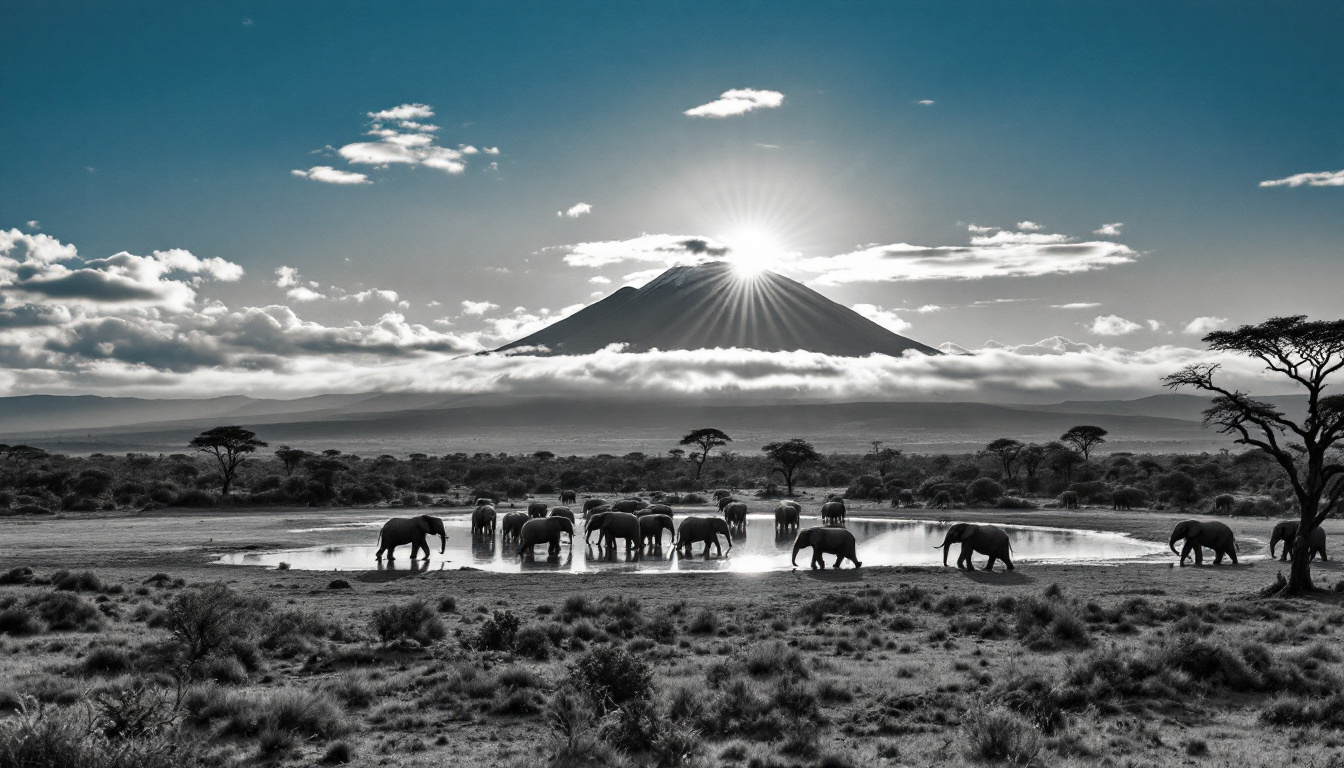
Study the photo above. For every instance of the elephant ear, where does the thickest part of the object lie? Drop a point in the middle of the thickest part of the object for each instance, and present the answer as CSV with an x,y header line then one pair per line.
x,y
967,532
1192,530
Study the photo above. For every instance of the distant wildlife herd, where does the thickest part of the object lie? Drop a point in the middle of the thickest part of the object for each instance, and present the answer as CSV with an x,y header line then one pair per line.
x,y
641,525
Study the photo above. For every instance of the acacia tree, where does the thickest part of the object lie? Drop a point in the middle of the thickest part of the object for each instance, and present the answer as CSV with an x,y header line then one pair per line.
x,y
1063,459
1006,450
1032,457
229,446
1084,438
290,457
1307,353
788,456
883,458
707,439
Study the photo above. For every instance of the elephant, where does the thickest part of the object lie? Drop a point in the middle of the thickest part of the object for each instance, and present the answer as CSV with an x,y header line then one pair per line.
x,y
590,504
410,530
786,516
1286,532
651,529
984,539
483,521
513,525
655,509
1222,504
485,501
568,497
1068,499
630,506
722,494
725,501
833,513
536,509
827,541
547,529
706,529
564,512
736,515
615,525
1128,498
1197,535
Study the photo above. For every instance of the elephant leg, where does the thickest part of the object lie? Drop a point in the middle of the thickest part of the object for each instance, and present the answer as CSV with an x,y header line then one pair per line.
x,y
1232,554
1008,562
838,560
1185,552
1199,555
989,566
817,562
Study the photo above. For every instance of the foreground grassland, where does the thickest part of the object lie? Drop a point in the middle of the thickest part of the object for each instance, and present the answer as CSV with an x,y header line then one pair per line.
x,y
120,645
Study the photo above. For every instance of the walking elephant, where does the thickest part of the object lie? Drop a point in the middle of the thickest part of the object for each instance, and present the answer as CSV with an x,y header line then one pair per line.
x,y
651,529
564,512
568,497
1200,534
827,541
410,530
1286,532
536,509
655,509
483,521
590,504
786,516
544,529
736,516
630,506
722,494
512,525
612,526
724,501
833,513
706,529
982,539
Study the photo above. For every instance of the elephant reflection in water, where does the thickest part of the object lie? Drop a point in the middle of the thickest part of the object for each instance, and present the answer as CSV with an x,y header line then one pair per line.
x,y
412,566
551,562
483,547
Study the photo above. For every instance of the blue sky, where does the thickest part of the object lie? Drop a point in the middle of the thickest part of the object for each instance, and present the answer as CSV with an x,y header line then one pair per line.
x,y
145,127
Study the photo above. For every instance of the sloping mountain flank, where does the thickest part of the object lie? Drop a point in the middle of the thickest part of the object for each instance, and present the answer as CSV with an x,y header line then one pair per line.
x,y
711,305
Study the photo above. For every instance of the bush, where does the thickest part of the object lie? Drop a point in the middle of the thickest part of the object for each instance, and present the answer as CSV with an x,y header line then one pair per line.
x,y
1013,502
85,581
497,633
287,711
20,622
533,642
211,619
982,490
999,735
64,611
338,584
1305,712
106,660
20,575
612,677
705,622
413,620
62,738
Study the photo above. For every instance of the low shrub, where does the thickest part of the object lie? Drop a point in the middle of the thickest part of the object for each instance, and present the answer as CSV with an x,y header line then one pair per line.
x,y
338,584
106,660
212,619
497,633
983,490
413,620
704,622
21,575
533,642
84,581
1304,712
999,735
64,611
612,676
20,622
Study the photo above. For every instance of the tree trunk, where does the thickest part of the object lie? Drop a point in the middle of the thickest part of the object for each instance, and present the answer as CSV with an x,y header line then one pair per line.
x,y
1299,574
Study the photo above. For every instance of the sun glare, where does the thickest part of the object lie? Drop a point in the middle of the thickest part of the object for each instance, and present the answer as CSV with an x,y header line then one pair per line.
x,y
753,251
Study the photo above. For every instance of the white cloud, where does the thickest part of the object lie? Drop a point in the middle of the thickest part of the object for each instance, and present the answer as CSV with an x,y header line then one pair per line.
x,y
373,293
1077,305
1109,230
40,267
1317,179
1113,325
1029,226
328,175
286,277
491,150
925,102
467,149
1202,325
34,224
477,308
403,113
522,322
669,249
304,294
1154,325
1003,254
929,308
884,317
599,280
737,102
981,230
576,210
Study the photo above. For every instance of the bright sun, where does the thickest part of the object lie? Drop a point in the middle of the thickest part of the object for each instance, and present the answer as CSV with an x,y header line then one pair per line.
x,y
753,251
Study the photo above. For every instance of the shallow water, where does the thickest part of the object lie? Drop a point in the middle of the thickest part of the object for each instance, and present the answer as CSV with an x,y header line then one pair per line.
x,y
881,542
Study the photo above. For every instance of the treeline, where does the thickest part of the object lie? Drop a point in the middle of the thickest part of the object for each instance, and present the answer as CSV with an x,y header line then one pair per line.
x,y
229,466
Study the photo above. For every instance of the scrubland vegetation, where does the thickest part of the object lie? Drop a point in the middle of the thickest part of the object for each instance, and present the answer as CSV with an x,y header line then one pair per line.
x,y
900,669
34,482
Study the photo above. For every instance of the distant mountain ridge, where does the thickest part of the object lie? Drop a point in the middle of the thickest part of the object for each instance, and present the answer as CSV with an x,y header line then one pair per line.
x,y
710,306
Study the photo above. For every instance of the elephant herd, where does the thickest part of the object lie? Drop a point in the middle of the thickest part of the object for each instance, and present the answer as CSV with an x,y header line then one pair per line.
x,y
1211,534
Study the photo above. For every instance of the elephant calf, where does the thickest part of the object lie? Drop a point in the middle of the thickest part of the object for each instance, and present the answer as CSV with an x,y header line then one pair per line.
x,y
833,513
827,541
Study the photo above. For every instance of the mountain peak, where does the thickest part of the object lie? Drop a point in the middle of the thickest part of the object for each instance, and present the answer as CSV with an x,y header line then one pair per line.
x,y
712,305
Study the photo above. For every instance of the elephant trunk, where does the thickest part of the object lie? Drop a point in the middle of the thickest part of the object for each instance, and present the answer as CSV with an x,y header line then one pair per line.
x,y
443,543
946,546
1174,538
797,545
